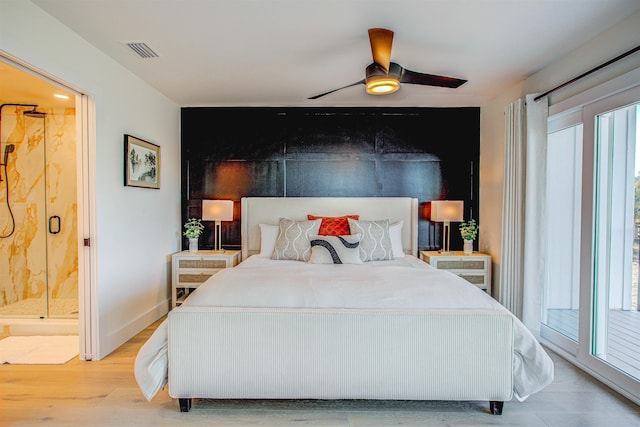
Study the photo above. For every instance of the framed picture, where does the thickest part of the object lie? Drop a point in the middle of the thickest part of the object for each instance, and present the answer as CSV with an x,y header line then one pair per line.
x,y
141,163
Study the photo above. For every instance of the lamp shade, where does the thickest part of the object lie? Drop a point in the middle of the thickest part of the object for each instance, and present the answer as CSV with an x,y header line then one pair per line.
x,y
217,210
447,210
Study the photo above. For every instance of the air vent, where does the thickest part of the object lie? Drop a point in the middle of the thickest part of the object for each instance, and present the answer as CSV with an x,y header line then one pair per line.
x,y
142,50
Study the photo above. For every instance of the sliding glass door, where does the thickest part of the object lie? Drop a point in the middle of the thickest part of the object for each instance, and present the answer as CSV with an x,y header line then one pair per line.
x,y
616,319
590,305
564,188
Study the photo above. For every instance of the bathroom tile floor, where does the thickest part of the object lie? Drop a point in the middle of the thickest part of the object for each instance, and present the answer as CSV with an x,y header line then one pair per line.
x,y
33,307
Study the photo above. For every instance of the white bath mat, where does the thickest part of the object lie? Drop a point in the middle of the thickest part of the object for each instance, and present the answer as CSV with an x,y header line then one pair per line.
x,y
38,350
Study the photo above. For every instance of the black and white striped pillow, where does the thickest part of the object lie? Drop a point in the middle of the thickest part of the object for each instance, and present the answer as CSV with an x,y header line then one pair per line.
x,y
335,249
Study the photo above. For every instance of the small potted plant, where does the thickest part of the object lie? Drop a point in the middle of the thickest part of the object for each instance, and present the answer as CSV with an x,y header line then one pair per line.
x,y
193,230
469,232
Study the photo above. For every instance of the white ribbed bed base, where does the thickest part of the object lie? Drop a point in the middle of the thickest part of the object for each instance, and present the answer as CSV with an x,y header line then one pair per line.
x,y
340,354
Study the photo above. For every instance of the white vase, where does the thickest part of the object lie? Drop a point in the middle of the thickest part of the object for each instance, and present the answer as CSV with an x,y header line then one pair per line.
x,y
468,246
193,245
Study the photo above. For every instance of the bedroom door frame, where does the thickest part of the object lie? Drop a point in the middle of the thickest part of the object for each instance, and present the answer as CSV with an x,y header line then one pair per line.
x,y
85,167
87,281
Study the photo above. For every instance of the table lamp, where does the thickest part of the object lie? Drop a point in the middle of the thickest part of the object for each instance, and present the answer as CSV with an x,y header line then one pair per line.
x,y
446,211
218,211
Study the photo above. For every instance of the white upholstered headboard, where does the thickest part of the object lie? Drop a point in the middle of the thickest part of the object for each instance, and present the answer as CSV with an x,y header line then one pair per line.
x,y
269,210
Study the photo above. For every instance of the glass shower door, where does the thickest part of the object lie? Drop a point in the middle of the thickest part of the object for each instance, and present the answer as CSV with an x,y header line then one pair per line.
x,y
23,247
38,219
61,220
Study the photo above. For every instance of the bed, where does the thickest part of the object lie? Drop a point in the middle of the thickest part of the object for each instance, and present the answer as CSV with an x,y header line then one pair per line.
x,y
390,328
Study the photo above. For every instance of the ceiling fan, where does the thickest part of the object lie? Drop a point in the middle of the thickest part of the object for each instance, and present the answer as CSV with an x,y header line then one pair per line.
x,y
383,77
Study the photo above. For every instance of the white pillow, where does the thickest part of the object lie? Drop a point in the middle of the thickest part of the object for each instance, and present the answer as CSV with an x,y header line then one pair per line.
x,y
335,249
268,236
395,233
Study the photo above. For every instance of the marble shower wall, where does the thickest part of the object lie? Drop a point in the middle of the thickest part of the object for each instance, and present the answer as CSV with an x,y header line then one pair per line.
x,y
42,183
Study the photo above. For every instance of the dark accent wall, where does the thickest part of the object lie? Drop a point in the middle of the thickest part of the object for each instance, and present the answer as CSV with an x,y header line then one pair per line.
x,y
427,153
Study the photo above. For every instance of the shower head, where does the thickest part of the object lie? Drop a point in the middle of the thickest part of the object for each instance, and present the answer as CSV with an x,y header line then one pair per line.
x,y
34,114
9,148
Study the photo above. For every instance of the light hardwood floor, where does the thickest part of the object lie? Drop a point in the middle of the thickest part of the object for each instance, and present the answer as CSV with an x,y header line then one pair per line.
x,y
105,393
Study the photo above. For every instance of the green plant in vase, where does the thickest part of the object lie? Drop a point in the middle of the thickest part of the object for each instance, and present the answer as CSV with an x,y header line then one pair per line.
x,y
193,230
469,232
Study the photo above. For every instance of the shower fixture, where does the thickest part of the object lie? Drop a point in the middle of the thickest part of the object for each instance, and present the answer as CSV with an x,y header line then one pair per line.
x,y
34,114
33,106
10,148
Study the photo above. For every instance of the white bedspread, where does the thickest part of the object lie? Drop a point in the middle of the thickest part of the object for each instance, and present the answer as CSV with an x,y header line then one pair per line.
x,y
404,283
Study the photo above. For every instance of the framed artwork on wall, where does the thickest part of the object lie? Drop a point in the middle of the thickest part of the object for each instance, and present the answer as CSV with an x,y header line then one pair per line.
x,y
141,163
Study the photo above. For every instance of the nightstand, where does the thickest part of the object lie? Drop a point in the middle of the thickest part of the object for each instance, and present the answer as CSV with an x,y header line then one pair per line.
x,y
475,268
190,269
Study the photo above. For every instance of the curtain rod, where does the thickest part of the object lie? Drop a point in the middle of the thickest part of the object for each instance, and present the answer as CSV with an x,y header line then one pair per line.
x,y
593,70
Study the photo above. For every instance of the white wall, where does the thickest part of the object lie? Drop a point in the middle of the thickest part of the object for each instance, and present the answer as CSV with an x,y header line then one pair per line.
x,y
136,229
609,44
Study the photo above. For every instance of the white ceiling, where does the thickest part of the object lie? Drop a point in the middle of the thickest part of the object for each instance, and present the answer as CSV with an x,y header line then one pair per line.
x,y
280,52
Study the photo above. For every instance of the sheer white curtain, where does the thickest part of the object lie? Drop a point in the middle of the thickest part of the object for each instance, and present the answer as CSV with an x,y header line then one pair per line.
x,y
522,263
511,265
535,211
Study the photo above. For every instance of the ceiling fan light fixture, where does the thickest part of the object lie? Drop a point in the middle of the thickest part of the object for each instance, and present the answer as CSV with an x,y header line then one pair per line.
x,y
382,85
383,77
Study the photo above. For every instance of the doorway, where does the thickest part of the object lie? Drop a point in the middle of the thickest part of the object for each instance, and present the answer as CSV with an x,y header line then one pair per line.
x,y
42,214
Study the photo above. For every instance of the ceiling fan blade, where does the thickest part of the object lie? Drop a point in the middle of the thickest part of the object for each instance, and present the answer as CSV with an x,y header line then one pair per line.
x,y
413,77
381,41
335,90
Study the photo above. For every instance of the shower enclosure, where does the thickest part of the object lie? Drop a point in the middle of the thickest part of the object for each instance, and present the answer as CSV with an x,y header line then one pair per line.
x,y
38,213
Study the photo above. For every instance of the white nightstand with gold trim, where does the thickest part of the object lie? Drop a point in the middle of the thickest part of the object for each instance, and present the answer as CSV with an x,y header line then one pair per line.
x,y
190,269
475,268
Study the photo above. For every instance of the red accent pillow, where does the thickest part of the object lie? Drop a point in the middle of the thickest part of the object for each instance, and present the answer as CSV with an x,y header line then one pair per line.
x,y
334,225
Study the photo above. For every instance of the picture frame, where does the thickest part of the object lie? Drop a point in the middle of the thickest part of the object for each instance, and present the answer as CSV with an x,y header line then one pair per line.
x,y
141,163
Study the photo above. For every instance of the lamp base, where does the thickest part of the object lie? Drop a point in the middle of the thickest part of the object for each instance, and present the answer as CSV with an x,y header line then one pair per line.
x,y
446,238
217,237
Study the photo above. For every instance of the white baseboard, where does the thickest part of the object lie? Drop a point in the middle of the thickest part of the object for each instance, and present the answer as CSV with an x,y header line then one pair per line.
x,y
116,338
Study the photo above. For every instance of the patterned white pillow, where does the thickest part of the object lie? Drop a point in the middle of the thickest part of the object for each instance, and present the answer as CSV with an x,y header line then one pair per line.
x,y
293,239
375,244
335,249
